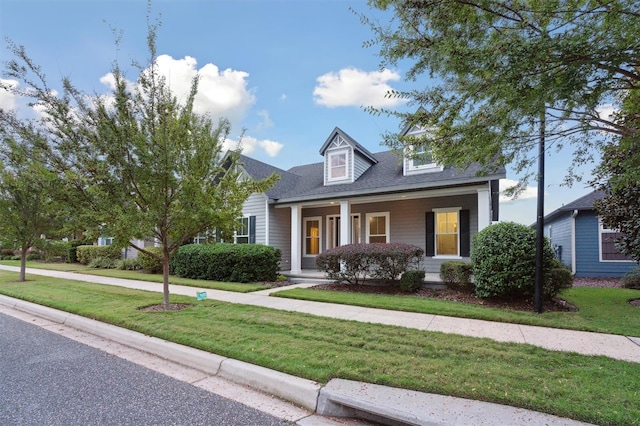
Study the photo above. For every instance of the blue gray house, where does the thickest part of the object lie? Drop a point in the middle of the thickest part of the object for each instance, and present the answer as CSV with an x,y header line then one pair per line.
x,y
354,196
582,243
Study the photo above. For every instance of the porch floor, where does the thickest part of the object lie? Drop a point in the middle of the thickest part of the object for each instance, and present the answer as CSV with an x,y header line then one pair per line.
x,y
309,275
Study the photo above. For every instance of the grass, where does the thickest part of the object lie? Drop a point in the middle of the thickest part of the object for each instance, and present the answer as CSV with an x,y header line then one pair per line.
x,y
139,275
603,310
592,389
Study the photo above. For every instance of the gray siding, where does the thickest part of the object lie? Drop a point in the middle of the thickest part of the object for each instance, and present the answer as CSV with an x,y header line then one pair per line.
x,y
561,237
588,252
256,205
280,234
360,166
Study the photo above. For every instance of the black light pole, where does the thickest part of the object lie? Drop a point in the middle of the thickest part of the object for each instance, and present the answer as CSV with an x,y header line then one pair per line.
x,y
540,221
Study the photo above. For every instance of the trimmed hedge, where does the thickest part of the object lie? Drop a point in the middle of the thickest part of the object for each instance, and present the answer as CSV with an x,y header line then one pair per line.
x,y
457,273
353,263
632,279
227,262
87,253
412,281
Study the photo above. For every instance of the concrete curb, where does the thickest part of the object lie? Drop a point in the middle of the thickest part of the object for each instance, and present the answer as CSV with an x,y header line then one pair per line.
x,y
339,397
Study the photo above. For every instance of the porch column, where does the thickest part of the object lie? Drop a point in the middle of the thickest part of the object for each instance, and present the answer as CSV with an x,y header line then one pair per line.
x,y
345,222
296,239
484,208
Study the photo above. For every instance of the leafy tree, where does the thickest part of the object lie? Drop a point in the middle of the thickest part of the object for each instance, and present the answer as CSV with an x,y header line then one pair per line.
x,y
497,66
142,164
28,206
619,176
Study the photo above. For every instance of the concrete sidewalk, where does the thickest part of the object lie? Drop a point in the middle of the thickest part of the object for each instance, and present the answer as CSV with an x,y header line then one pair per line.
x,y
626,348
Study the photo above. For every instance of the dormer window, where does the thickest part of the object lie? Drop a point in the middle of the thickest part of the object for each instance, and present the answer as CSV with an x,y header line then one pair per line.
x,y
338,165
420,160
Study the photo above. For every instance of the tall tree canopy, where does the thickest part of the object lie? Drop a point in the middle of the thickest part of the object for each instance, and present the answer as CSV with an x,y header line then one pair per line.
x,y
618,175
29,206
496,66
142,164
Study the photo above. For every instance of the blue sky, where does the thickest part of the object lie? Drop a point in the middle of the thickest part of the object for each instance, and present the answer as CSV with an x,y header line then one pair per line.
x,y
287,72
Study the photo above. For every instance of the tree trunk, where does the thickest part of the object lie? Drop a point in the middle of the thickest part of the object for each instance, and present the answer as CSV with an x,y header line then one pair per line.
x,y
23,265
165,278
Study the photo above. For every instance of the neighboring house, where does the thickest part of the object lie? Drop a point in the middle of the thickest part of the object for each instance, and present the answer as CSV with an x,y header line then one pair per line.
x,y
581,242
127,252
355,196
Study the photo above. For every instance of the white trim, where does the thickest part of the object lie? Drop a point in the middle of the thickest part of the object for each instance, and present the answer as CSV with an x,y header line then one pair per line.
x,y
573,242
435,232
330,228
347,160
602,230
248,235
386,215
484,208
267,217
304,235
296,244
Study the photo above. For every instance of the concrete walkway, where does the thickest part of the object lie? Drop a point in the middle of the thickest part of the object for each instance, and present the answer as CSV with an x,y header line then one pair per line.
x,y
626,348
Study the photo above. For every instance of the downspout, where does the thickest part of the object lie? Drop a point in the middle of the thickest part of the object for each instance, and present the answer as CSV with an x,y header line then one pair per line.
x,y
573,241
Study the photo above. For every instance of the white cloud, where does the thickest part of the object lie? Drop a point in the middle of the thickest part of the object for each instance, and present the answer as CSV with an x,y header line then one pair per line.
x,y
527,193
249,144
266,120
220,93
7,97
283,97
354,87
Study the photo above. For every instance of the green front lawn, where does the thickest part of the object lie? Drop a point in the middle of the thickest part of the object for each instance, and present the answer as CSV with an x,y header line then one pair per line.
x,y
139,275
592,389
603,310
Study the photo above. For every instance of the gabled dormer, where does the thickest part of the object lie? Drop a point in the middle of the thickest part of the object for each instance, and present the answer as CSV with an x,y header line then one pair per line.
x,y
345,160
418,159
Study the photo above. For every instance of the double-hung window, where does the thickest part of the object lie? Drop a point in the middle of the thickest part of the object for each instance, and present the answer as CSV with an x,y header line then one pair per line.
x,y
377,227
447,233
245,230
608,249
338,165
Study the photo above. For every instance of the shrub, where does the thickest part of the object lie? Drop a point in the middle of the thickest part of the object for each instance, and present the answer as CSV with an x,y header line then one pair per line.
x,y
632,279
53,250
227,262
72,256
504,261
456,273
85,254
412,281
103,263
354,262
6,252
150,263
560,278
34,256
129,265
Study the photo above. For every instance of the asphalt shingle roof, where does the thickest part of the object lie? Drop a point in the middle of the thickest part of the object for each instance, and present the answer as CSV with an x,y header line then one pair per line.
x,y
306,182
583,203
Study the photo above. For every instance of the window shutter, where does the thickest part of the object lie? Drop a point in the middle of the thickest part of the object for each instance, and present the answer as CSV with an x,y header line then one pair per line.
x,y
465,234
430,248
252,229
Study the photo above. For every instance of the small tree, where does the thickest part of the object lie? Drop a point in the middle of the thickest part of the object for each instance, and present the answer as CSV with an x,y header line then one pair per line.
x,y
28,207
140,163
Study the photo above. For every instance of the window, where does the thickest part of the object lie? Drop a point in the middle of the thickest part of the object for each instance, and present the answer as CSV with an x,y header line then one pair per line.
x,y
312,236
608,250
447,233
201,238
246,230
338,165
377,227
420,161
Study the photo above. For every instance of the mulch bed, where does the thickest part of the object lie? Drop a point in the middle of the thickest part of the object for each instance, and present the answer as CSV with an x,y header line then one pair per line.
x,y
171,307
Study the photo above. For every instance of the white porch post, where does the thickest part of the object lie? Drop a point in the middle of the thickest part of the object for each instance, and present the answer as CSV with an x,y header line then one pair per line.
x,y
484,208
296,239
345,222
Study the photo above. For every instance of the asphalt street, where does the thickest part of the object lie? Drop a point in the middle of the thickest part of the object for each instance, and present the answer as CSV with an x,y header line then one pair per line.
x,y
48,379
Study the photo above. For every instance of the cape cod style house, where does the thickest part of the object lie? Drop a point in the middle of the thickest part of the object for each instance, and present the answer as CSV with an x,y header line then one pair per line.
x,y
355,196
